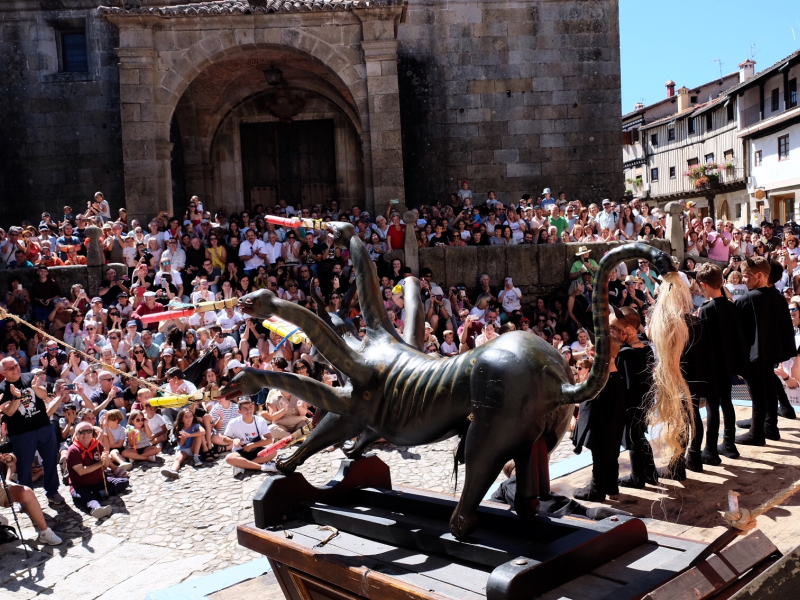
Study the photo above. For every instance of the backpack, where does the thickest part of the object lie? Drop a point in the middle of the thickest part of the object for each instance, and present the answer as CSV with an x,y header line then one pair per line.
x,y
8,534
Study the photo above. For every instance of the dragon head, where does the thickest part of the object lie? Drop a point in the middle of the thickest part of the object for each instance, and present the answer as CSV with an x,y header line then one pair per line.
x,y
663,262
245,383
260,304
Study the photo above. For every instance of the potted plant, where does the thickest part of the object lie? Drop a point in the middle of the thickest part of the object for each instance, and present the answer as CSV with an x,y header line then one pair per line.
x,y
704,175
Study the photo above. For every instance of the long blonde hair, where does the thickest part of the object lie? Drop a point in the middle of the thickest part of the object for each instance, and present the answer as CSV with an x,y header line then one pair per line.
x,y
671,413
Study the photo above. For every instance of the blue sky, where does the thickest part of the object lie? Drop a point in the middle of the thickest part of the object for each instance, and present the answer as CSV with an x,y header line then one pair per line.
x,y
680,39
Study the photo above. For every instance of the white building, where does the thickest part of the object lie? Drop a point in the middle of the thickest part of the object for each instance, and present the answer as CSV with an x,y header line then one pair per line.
x,y
770,130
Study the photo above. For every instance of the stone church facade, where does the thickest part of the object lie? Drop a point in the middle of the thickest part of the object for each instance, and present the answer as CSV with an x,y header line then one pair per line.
x,y
365,101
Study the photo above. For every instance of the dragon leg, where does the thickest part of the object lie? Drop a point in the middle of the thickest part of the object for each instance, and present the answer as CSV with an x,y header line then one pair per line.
x,y
362,443
251,381
331,430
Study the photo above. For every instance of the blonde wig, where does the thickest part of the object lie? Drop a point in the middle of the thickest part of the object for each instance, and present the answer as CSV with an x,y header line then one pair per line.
x,y
671,414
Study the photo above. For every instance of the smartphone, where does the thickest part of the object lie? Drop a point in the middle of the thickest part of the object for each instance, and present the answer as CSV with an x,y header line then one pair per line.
x,y
70,387
394,201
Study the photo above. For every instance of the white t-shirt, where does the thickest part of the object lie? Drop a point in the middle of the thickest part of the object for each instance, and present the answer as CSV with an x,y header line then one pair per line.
x,y
186,387
576,347
737,291
511,299
157,425
247,432
448,348
247,249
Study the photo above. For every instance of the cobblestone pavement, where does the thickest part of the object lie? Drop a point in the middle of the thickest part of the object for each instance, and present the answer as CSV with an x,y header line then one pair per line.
x,y
191,523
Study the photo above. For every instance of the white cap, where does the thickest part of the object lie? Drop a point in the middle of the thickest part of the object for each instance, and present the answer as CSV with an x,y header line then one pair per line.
x,y
254,352
546,191
437,291
234,364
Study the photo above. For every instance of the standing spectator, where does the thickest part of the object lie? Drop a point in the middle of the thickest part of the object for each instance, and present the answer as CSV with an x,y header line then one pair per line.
x,y
253,252
397,232
43,291
510,297
22,400
608,219
769,337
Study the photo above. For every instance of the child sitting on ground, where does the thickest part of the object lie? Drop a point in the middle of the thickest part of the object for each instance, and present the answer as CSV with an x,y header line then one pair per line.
x,y
155,426
138,439
114,437
190,435
250,433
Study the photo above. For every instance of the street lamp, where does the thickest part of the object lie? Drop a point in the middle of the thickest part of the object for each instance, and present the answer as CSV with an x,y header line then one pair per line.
x,y
274,76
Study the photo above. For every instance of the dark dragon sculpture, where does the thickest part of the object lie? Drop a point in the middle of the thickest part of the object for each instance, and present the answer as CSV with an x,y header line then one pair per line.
x,y
501,397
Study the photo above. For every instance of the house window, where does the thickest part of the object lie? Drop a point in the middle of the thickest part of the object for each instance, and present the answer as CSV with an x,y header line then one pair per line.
x,y
653,174
783,147
693,99
626,138
692,162
672,172
740,210
654,139
710,158
728,155
671,134
709,121
757,158
74,58
775,100
690,124
792,93
731,112
635,135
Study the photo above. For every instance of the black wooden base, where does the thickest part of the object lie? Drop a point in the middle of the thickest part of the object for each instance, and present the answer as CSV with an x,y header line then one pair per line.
x,y
526,558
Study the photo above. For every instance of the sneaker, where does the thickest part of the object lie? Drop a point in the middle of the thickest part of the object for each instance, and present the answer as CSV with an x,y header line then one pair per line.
x,y
238,473
56,499
126,466
170,474
196,461
101,512
269,467
48,537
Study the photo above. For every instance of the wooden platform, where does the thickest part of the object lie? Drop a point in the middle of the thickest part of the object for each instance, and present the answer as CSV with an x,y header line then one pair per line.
x,y
693,509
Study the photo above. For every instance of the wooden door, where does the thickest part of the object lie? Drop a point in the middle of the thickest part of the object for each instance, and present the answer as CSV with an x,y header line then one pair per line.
x,y
295,161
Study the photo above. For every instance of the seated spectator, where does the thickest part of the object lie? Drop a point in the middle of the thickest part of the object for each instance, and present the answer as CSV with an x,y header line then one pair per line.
x,y
250,433
285,413
114,437
26,497
191,438
138,441
87,460
155,425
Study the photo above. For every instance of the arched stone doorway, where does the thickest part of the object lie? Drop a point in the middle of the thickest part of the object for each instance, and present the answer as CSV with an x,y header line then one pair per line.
x,y
247,142
202,64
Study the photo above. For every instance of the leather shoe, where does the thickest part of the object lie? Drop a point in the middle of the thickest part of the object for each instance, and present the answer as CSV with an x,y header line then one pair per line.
x,y
772,433
588,493
750,439
711,457
787,412
744,424
728,450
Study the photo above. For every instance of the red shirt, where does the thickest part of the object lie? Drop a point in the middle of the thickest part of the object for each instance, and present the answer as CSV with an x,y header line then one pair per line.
x,y
143,310
398,237
76,456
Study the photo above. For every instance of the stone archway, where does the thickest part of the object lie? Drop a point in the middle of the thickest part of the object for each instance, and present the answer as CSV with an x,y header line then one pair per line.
x,y
167,52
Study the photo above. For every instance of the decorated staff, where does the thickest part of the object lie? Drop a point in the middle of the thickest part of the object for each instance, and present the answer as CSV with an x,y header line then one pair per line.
x,y
187,310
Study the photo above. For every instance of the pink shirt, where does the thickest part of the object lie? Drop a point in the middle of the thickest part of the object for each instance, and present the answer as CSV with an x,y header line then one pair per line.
x,y
718,251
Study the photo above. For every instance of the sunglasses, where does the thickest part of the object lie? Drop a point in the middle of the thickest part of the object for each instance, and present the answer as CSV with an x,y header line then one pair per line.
x,y
138,351
793,309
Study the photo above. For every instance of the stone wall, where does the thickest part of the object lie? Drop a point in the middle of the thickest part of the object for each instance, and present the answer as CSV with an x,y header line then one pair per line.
x,y
60,132
513,95
89,277
536,269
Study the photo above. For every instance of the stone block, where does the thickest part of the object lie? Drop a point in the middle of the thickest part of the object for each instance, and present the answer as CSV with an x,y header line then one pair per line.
x,y
506,156
459,266
524,170
492,261
521,265
433,259
482,86
493,29
382,85
553,263
552,140
527,127
373,68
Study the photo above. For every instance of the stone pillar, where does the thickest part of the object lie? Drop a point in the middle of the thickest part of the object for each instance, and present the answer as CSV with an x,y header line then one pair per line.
x,y
674,231
410,245
164,183
95,261
380,56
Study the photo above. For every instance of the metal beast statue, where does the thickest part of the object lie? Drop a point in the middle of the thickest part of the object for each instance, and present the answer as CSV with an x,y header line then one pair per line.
x,y
501,397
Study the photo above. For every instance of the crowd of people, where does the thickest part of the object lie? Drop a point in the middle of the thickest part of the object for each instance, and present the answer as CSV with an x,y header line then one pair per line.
x,y
86,410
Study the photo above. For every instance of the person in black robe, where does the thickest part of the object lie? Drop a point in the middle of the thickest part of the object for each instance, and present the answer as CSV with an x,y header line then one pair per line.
x,y
769,338
599,428
724,357
635,365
